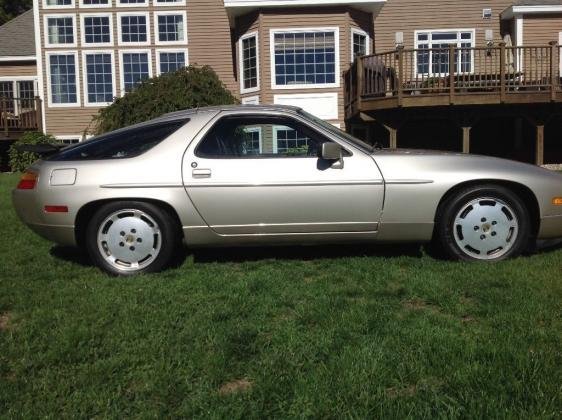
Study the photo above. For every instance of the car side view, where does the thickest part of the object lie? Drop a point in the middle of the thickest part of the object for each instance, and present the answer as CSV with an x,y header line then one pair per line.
x,y
252,175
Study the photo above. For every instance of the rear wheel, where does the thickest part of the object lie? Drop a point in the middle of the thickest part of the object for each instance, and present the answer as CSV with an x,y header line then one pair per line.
x,y
127,238
484,223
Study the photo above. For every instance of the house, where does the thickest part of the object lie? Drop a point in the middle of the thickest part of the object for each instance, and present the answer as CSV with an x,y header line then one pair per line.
x,y
378,68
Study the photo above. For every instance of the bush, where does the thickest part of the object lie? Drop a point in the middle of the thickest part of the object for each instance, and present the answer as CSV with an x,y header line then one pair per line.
x,y
190,87
19,161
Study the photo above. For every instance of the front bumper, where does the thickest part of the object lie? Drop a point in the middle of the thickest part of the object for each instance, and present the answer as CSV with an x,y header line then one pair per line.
x,y
551,227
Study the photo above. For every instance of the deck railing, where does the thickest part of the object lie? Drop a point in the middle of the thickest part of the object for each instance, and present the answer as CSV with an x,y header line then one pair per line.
x,y
19,114
499,70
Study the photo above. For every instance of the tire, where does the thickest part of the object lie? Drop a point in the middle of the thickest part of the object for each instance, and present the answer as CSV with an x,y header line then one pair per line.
x,y
130,237
483,223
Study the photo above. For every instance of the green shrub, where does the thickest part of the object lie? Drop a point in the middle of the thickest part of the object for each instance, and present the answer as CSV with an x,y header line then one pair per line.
x,y
190,87
19,161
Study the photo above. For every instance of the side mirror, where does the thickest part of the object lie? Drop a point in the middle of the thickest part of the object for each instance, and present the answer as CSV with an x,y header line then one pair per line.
x,y
331,151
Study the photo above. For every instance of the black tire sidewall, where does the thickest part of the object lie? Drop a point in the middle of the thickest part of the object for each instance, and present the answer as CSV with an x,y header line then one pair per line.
x,y
453,205
169,236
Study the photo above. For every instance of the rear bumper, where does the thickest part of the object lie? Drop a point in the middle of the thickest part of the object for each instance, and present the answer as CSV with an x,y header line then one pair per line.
x,y
57,228
551,227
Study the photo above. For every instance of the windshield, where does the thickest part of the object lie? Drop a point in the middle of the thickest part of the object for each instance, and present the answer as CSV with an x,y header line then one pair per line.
x,y
334,130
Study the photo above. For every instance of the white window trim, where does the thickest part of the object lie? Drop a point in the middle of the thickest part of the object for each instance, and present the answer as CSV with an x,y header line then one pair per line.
x,y
122,74
329,100
95,6
260,138
87,103
78,102
14,81
272,33
157,33
176,3
357,31
434,31
72,5
241,63
119,4
170,50
46,30
276,130
251,100
120,32
83,30
70,137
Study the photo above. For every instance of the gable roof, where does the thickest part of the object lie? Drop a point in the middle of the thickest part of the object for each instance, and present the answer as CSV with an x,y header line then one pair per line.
x,y
17,37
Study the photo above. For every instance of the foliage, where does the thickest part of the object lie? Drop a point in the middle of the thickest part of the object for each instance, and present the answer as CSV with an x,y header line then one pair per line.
x,y
9,9
19,161
190,87
315,332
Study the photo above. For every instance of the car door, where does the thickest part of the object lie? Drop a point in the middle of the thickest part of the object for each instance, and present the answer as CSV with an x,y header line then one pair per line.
x,y
260,174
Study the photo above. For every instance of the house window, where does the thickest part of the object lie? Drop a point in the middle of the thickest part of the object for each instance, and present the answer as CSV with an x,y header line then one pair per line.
x,y
7,92
305,58
60,30
288,141
131,2
98,76
58,3
171,28
170,2
68,139
97,29
62,75
94,3
135,68
433,51
134,29
249,63
359,43
170,61
21,95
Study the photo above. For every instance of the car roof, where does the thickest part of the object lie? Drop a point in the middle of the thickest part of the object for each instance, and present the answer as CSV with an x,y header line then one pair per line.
x,y
218,108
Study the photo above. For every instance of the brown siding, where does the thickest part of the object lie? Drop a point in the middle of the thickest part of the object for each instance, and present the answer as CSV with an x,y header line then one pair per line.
x,y
410,15
541,29
17,70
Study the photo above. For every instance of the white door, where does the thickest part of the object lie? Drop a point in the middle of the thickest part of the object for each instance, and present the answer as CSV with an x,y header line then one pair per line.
x,y
259,174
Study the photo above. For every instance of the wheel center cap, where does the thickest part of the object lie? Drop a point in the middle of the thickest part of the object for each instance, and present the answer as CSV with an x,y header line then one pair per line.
x,y
486,228
130,239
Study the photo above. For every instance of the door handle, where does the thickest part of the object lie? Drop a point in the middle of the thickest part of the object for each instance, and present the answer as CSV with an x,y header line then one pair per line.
x,y
201,173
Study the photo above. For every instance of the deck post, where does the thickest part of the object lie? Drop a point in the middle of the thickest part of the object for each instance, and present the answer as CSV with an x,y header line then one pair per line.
x,y
400,50
4,114
466,139
38,114
553,70
540,145
393,136
452,73
503,70
360,80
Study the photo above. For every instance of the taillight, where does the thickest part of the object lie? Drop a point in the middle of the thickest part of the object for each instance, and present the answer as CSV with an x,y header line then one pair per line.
x,y
28,181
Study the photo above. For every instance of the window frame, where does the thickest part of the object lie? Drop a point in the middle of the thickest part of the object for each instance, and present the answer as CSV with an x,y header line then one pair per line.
x,y
275,31
361,32
182,13
48,55
143,4
120,41
87,103
250,100
121,66
260,136
158,3
67,137
83,30
46,18
95,6
185,51
15,81
46,6
253,34
430,33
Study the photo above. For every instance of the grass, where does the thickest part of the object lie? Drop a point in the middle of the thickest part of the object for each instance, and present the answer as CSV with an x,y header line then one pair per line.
x,y
293,332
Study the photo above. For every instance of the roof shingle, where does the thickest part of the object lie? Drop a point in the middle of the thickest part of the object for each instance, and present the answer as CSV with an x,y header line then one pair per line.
x,y
17,37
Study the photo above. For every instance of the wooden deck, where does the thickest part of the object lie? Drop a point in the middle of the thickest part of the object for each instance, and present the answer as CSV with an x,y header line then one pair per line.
x,y
407,78
18,115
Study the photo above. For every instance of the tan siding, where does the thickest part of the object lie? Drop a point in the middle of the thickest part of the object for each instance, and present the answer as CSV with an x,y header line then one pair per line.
x,y
540,30
18,70
410,15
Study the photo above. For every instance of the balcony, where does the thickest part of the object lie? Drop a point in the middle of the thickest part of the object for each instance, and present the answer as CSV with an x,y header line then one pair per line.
x,y
409,78
18,115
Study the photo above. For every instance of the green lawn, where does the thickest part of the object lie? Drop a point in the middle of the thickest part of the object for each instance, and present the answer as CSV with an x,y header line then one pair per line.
x,y
300,332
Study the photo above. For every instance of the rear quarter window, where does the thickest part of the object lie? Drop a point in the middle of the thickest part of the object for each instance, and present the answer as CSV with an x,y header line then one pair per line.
x,y
121,144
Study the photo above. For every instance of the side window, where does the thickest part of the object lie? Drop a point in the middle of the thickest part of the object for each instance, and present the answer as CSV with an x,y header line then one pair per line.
x,y
259,136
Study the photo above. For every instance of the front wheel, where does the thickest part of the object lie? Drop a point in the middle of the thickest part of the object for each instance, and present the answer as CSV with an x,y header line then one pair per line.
x,y
484,223
127,238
